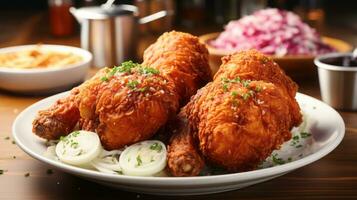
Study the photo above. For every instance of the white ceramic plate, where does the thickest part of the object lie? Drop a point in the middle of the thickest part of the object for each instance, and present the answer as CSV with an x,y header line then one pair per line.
x,y
323,122
44,80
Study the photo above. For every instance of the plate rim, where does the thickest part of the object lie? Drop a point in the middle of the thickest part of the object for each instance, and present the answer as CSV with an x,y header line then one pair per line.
x,y
175,181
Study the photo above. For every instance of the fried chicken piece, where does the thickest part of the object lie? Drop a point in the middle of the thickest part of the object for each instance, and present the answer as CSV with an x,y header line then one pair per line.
x,y
239,122
240,127
127,108
129,103
181,58
59,119
253,65
62,117
183,157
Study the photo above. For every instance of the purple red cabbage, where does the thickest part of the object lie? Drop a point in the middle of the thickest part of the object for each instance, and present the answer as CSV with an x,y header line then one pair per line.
x,y
273,32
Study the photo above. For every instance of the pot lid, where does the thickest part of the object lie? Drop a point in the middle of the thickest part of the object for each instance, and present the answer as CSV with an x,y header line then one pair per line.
x,y
99,12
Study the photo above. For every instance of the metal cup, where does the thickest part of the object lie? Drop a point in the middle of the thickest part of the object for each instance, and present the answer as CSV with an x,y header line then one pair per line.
x,y
338,84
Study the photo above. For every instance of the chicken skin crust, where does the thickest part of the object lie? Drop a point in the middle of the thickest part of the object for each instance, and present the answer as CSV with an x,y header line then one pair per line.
x,y
128,108
253,65
184,159
59,119
237,121
239,127
130,102
181,58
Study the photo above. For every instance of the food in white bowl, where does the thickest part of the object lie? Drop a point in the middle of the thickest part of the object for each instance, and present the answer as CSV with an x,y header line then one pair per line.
x,y
38,57
54,74
272,32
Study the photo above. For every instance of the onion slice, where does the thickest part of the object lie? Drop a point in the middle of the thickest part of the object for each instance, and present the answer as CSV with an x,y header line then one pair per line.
x,y
78,148
145,158
108,162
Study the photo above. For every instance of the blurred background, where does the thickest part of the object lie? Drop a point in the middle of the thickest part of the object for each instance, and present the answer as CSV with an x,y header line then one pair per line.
x,y
49,21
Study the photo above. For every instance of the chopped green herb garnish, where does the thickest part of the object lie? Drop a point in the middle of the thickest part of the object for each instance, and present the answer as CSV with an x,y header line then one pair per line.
x,y
246,83
74,145
258,88
305,134
251,93
290,159
225,87
27,175
226,81
245,96
7,138
63,138
296,137
277,160
104,78
132,84
298,146
125,67
2,171
139,162
148,70
237,80
75,133
13,142
234,93
143,89
156,146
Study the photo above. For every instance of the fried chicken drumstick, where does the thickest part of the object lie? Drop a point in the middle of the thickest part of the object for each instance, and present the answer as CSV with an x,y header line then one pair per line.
x,y
129,103
238,119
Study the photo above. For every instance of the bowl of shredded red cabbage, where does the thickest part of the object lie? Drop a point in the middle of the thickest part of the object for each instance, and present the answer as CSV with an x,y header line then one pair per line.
x,y
273,32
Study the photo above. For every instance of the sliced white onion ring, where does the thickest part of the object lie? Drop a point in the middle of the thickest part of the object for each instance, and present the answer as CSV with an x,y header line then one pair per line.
x,y
144,158
108,162
78,148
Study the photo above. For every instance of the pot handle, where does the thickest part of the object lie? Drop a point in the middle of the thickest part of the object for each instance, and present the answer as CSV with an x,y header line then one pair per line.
x,y
155,16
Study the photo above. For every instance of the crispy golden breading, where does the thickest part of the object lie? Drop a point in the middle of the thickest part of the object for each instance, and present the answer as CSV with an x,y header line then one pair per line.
x,y
252,65
238,122
238,128
181,58
255,66
59,119
183,157
127,108
129,104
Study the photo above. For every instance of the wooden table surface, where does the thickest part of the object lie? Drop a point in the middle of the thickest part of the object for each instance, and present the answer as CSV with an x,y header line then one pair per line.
x,y
332,177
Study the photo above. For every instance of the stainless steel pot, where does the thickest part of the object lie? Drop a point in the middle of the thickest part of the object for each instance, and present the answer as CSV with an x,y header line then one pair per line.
x,y
110,32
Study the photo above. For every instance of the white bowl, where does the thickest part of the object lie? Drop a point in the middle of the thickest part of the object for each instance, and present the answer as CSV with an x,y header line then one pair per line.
x,y
46,80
